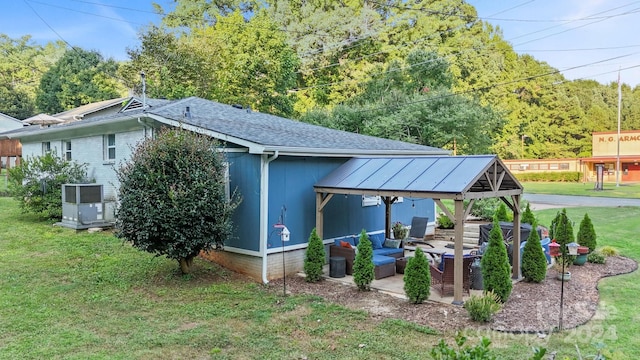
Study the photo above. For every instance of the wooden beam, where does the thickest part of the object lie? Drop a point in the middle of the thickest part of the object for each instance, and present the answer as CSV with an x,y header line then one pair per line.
x,y
445,210
515,265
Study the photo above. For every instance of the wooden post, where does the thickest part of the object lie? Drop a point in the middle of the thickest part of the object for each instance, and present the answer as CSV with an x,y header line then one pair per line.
x,y
458,253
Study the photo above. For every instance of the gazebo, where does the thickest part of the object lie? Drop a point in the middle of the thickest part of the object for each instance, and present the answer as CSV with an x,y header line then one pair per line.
x,y
458,178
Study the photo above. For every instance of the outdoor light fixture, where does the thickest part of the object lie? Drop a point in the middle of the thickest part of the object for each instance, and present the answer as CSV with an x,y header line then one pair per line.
x,y
573,248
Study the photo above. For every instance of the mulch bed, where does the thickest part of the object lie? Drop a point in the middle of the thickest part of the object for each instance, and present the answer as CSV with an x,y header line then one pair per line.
x,y
531,308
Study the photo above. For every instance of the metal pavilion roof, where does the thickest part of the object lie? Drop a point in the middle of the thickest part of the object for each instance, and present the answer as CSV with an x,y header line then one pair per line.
x,y
438,177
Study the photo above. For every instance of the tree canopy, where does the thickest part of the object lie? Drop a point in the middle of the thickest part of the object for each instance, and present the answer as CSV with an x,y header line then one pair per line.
x,y
430,73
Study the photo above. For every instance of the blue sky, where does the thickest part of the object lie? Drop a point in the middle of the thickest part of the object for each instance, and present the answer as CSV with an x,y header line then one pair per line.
x,y
570,35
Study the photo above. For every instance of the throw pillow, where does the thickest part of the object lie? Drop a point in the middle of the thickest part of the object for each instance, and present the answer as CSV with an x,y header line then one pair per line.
x,y
393,244
376,241
345,244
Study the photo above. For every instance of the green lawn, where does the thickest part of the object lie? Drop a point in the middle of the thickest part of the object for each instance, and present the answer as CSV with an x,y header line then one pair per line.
x,y
585,189
89,296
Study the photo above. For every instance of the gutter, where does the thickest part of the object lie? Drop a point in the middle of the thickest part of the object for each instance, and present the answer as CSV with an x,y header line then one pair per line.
x,y
264,210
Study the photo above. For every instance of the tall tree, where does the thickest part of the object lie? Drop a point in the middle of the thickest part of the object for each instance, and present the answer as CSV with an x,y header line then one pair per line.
x,y
80,77
22,65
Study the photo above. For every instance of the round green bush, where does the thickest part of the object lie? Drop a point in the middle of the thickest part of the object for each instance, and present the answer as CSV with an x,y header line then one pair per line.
x,y
482,308
596,257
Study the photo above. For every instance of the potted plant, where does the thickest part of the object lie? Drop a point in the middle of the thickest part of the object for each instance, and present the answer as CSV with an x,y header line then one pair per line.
x,y
399,231
581,258
560,267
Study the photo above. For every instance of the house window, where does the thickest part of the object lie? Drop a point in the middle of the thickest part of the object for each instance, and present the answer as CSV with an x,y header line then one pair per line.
x,y
564,166
67,150
110,147
46,147
553,166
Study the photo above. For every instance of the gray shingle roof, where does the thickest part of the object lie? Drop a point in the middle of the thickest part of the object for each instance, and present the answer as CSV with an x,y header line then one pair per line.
x,y
257,128
274,131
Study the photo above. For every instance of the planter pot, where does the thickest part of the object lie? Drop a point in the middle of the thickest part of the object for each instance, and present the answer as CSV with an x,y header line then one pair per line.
x,y
566,276
580,259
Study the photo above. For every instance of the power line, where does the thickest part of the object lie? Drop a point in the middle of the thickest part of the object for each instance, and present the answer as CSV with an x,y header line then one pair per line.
x,y
47,24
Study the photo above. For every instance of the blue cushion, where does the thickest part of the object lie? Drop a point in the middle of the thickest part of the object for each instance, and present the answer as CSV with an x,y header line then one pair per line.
x,y
382,260
387,251
377,240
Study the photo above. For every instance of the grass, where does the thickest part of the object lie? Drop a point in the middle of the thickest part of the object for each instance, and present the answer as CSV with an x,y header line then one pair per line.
x,y
89,296
585,189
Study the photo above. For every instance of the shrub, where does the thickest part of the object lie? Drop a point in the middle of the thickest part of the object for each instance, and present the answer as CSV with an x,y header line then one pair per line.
x,y
528,217
586,233
556,176
481,351
417,278
172,196
501,213
562,231
37,183
596,257
314,258
496,271
609,251
485,208
363,269
534,263
444,222
482,308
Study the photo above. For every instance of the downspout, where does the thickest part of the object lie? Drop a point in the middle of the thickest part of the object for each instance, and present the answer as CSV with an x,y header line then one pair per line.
x,y
144,127
264,209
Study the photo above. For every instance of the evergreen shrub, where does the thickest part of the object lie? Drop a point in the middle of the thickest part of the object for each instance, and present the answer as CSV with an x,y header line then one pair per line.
x,y
528,217
314,258
501,213
417,278
482,308
496,270
534,263
586,233
363,268
596,257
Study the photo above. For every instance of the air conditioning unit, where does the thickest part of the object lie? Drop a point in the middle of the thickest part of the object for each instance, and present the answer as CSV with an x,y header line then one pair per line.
x,y
82,206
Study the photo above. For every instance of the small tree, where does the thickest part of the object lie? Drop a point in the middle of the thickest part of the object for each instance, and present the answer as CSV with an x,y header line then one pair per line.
x,y
562,231
417,278
534,263
314,258
501,213
528,217
496,271
587,234
37,183
172,196
363,269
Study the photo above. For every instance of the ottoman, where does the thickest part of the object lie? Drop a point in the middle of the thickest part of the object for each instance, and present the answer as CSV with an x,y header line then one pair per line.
x,y
384,266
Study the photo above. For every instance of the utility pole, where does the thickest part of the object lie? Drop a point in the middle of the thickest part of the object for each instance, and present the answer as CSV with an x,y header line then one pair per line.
x,y
618,153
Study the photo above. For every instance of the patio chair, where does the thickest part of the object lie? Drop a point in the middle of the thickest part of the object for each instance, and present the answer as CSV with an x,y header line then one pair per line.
x,y
418,230
443,279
